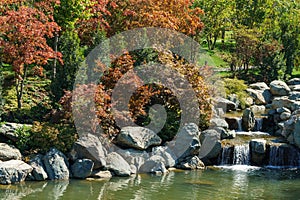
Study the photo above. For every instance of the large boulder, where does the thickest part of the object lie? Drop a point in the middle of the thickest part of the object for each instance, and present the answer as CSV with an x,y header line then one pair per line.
x,y
295,95
9,152
295,88
89,146
248,120
56,165
38,172
186,142
225,104
279,88
117,164
155,164
138,137
258,109
13,171
210,148
82,168
258,150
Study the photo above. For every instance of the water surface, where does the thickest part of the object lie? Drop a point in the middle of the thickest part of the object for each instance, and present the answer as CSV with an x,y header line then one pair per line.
x,y
220,183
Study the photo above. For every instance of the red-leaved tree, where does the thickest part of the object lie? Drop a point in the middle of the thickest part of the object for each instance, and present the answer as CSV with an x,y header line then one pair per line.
x,y
23,41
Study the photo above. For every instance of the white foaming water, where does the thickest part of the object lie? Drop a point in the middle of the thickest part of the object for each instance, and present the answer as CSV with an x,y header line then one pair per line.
x,y
241,155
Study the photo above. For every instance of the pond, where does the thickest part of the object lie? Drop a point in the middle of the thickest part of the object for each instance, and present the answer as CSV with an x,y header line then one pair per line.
x,y
237,182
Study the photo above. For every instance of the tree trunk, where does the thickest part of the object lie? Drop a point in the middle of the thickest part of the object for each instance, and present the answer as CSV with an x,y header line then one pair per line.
x,y
55,59
20,88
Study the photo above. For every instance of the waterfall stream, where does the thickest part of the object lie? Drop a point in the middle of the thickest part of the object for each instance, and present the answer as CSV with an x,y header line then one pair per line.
x,y
241,155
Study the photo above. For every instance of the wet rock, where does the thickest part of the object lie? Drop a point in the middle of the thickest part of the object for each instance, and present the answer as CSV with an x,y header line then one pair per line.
x,y
258,150
13,171
9,152
209,133
279,88
191,164
56,165
248,120
233,123
38,172
101,174
90,147
155,164
117,164
138,137
82,168
296,133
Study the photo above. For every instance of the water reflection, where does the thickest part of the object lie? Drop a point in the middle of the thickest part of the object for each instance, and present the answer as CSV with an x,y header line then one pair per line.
x,y
225,183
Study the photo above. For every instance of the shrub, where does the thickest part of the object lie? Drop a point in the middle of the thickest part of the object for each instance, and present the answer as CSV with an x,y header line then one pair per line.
x,y
238,87
42,136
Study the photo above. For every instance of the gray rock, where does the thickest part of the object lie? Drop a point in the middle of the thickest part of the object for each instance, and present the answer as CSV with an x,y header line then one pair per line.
x,y
285,116
234,98
101,174
259,86
138,137
13,171
56,165
155,164
192,164
90,147
279,88
166,153
225,104
209,133
294,96
294,81
8,131
82,168
38,171
218,122
211,147
186,142
296,134
261,97
225,134
9,152
295,88
248,120
117,164
249,101
279,102
282,109
258,109
258,151
133,156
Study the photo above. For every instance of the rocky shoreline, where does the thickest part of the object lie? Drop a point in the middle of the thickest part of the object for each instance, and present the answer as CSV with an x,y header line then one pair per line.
x,y
140,150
